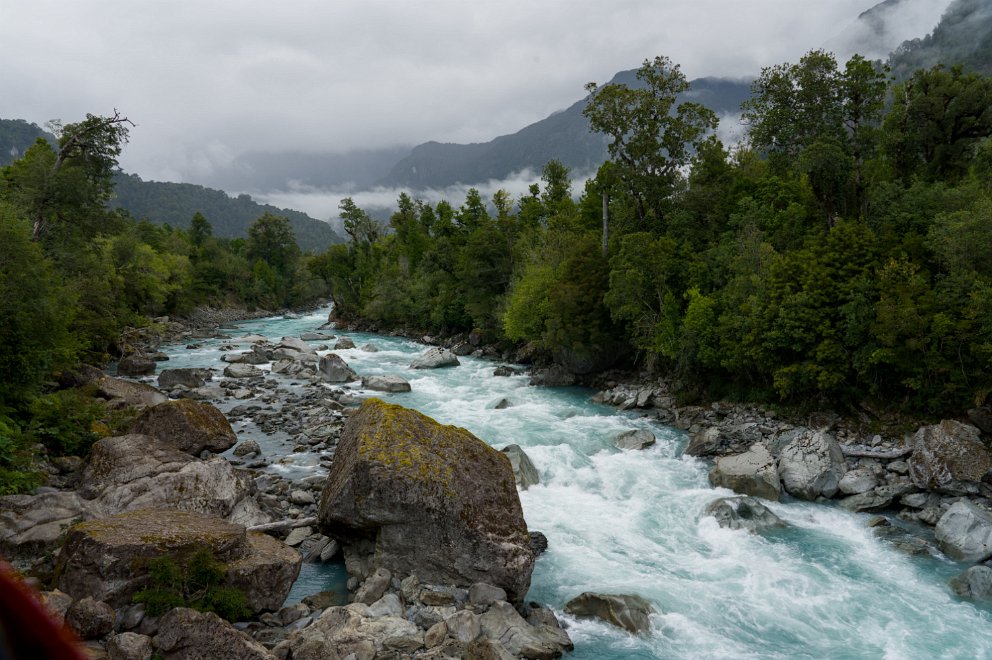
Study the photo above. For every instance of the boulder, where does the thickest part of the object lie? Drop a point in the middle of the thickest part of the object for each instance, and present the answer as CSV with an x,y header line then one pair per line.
x,y
89,618
129,646
975,583
982,418
107,559
246,447
554,376
243,371
624,611
502,623
462,348
964,532
857,481
946,455
811,465
435,500
333,369
189,426
138,471
868,501
750,473
126,393
524,472
186,377
435,358
370,348
33,525
344,344
504,371
294,344
353,629
743,513
386,383
723,440
185,634
316,336
634,439
136,365
501,403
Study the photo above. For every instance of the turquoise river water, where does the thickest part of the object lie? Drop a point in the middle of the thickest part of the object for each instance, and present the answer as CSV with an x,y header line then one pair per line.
x,y
631,522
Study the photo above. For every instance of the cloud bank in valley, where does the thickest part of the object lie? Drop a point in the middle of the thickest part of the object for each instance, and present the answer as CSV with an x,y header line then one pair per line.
x,y
207,81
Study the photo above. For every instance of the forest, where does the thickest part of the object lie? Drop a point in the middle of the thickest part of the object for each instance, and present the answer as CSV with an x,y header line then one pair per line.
x,y
838,256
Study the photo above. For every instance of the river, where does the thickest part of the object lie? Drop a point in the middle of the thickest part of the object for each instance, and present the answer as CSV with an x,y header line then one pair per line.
x,y
631,522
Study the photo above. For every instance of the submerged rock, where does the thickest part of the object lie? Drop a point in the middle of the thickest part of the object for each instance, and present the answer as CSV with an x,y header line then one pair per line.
x,y
750,473
188,426
390,383
524,472
434,501
743,513
435,358
333,369
634,439
623,611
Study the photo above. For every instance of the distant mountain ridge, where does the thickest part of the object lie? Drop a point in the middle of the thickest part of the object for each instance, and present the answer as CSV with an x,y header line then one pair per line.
x,y
963,36
176,203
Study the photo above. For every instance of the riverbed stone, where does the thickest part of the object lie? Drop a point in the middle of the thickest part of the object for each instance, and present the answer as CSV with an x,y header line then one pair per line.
x,y
333,369
974,583
90,618
946,455
435,358
129,646
751,473
246,447
626,611
858,481
868,501
344,343
964,532
634,439
107,559
243,371
745,512
524,472
190,377
126,393
503,623
189,426
138,471
434,500
136,365
185,634
389,383
811,465
726,440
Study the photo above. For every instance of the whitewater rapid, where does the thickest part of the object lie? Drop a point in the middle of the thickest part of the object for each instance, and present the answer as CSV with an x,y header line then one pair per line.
x,y
632,522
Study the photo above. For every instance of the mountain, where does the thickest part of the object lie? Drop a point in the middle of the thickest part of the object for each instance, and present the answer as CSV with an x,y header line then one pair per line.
x,y
16,135
881,29
176,203
963,36
564,135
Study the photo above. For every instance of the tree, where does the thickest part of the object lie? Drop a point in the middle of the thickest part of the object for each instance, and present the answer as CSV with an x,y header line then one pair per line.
x,y
199,230
652,138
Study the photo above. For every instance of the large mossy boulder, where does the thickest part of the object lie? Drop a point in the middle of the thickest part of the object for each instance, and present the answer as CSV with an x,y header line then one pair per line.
x,y
189,426
434,500
109,559
947,455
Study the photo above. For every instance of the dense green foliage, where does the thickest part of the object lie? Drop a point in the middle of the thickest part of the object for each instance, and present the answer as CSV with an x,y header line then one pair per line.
x,y
963,36
841,254
173,204
75,275
196,582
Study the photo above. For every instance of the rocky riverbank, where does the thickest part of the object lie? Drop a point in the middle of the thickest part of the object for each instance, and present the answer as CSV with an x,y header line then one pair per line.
x,y
164,491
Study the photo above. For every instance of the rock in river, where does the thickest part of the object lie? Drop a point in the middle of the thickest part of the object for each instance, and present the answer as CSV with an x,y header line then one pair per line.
x,y
964,532
743,513
811,465
435,501
946,454
389,383
750,473
435,358
624,611
187,425
333,369
634,439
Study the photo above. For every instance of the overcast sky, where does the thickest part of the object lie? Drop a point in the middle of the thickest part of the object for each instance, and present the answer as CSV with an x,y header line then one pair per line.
x,y
207,80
